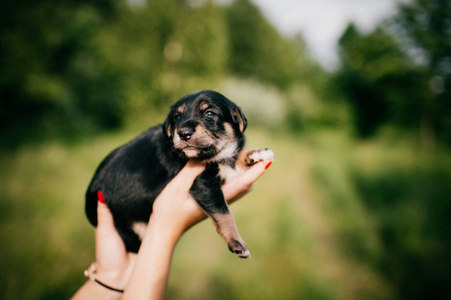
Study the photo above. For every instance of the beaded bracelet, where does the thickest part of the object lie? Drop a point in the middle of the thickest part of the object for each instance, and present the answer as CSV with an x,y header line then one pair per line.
x,y
91,274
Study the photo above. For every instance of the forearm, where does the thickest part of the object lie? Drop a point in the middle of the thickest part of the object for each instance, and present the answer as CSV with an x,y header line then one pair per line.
x,y
92,290
150,276
171,217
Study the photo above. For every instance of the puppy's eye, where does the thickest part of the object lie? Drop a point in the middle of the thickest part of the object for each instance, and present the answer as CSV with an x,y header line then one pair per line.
x,y
209,113
176,117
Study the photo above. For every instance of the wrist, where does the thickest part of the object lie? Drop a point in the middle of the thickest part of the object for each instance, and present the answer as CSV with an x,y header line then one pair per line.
x,y
112,278
167,220
108,279
92,290
164,232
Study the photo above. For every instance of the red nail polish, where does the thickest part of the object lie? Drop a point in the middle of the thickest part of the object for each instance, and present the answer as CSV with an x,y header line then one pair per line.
x,y
100,197
267,166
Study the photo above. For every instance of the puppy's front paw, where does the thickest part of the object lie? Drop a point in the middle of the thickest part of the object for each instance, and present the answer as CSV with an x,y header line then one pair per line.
x,y
256,155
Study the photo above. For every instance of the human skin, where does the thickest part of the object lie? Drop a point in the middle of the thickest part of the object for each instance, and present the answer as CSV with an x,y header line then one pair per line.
x,y
145,275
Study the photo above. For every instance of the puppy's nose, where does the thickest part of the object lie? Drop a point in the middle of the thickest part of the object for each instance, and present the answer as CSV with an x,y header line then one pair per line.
x,y
185,133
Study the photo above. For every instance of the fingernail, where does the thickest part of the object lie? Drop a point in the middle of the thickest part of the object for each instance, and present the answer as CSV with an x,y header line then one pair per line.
x,y
267,166
100,197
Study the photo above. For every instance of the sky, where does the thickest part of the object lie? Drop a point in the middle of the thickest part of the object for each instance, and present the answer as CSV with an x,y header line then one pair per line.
x,y
321,22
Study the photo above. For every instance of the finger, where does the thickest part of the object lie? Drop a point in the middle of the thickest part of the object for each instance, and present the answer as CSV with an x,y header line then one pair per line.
x,y
241,184
185,178
104,217
251,174
254,172
107,237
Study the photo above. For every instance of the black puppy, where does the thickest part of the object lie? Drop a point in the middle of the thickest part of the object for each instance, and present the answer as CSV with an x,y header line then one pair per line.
x,y
203,126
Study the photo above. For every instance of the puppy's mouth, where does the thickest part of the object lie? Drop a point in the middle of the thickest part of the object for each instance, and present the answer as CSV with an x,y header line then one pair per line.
x,y
200,153
189,147
194,148
191,151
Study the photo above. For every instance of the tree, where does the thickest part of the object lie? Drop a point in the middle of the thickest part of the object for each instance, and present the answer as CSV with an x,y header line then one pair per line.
x,y
204,41
257,49
379,79
424,26
52,75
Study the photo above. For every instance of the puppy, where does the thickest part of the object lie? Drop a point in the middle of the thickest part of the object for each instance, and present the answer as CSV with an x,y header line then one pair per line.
x,y
203,126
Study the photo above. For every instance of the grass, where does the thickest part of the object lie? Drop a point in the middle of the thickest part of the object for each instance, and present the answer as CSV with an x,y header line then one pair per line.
x,y
409,196
316,223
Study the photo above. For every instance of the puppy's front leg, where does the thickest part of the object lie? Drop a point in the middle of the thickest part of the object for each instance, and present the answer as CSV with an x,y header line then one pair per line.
x,y
251,157
207,192
226,227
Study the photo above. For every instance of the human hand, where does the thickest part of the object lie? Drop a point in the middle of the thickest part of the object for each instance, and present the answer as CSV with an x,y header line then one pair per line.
x,y
114,263
243,183
174,211
177,209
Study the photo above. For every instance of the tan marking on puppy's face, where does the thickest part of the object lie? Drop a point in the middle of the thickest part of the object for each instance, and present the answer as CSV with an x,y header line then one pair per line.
x,y
169,131
201,138
181,109
203,106
237,115
227,145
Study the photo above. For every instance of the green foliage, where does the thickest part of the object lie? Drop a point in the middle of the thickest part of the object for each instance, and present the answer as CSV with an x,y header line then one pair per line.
x,y
400,72
257,49
380,81
73,67
426,25
161,46
410,203
204,41
390,203
53,77
425,28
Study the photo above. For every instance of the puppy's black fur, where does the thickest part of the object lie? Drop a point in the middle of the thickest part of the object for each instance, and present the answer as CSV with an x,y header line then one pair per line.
x,y
204,126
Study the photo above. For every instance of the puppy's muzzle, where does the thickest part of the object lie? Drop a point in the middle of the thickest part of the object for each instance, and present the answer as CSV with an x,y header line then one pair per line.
x,y
185,133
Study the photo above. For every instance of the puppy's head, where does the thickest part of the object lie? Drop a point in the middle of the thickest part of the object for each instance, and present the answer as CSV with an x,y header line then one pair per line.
x,y
205,126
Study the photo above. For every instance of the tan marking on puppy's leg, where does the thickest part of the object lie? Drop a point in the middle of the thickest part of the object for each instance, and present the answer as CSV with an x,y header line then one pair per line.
x,y
256,155
241,161
140,229
226,227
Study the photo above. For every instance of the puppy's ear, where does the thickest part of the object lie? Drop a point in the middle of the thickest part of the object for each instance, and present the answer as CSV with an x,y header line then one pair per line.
x,y
238,117
167,130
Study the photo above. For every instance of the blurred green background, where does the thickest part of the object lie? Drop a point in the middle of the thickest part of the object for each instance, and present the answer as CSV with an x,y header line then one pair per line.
x,y
356,206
